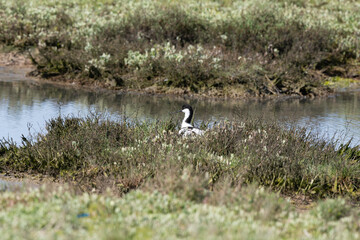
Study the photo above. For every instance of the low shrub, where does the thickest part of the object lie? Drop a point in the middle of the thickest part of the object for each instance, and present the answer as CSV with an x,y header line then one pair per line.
x,y
261,48
97,153
49,214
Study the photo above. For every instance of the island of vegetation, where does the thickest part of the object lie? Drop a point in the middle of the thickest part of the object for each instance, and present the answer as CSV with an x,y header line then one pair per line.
x,y
209,48
217,185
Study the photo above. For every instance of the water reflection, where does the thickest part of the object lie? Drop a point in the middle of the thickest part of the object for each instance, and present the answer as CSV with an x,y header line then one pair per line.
x,y
25,103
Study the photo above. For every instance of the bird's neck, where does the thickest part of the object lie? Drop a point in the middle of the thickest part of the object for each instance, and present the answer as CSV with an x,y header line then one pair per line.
x,y
186,125
187,119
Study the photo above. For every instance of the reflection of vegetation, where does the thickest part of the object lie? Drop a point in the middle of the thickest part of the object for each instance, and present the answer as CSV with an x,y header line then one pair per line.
x,y
227,48
23,93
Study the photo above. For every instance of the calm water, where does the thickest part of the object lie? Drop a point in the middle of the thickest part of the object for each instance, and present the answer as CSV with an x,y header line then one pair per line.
x,y
26,104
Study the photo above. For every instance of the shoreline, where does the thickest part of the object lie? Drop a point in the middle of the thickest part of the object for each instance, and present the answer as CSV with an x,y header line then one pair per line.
x,y
20,62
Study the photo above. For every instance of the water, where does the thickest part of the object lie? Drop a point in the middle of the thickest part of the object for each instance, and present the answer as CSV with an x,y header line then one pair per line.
x,y
26,105
7,184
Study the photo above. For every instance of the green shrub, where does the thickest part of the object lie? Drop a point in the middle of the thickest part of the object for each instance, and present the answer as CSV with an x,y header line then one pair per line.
x,y
259,48
98,153
332,209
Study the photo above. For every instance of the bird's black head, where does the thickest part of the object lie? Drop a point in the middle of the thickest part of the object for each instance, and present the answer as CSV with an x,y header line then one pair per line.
x,y
189,117
187,106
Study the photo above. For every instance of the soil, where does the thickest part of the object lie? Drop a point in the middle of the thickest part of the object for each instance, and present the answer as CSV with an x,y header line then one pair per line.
x,y
16,60
302,203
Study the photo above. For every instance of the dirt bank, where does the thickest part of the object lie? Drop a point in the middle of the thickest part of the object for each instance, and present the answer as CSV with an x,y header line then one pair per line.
x,y
20,63
16,60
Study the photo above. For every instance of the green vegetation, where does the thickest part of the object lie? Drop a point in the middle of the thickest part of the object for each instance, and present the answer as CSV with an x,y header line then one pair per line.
x,y
97,153
160,184
174,187
227,48
256,214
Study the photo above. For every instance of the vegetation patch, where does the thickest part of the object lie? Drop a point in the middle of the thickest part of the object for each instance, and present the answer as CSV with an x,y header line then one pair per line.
x,y
142,215
95,153
213,48
174,187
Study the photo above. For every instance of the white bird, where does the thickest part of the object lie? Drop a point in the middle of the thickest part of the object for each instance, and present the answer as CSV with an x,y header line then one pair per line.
x,y
186,128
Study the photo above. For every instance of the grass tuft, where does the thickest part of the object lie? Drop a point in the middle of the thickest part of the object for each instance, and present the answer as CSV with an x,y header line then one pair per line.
x,y
97,153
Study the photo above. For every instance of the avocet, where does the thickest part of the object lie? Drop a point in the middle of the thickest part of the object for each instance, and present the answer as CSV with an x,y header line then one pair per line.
x,y
187,129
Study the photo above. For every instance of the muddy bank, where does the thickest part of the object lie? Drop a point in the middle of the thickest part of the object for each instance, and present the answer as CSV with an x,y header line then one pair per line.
x,y
16,60
18,65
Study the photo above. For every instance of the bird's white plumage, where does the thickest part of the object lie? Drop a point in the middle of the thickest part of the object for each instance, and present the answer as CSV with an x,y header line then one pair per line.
x,y
184,124
190,131
186,128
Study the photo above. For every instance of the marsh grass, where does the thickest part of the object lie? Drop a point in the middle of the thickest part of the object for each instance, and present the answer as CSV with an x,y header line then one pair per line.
x,y
95,153
253,214
258,48
220,185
